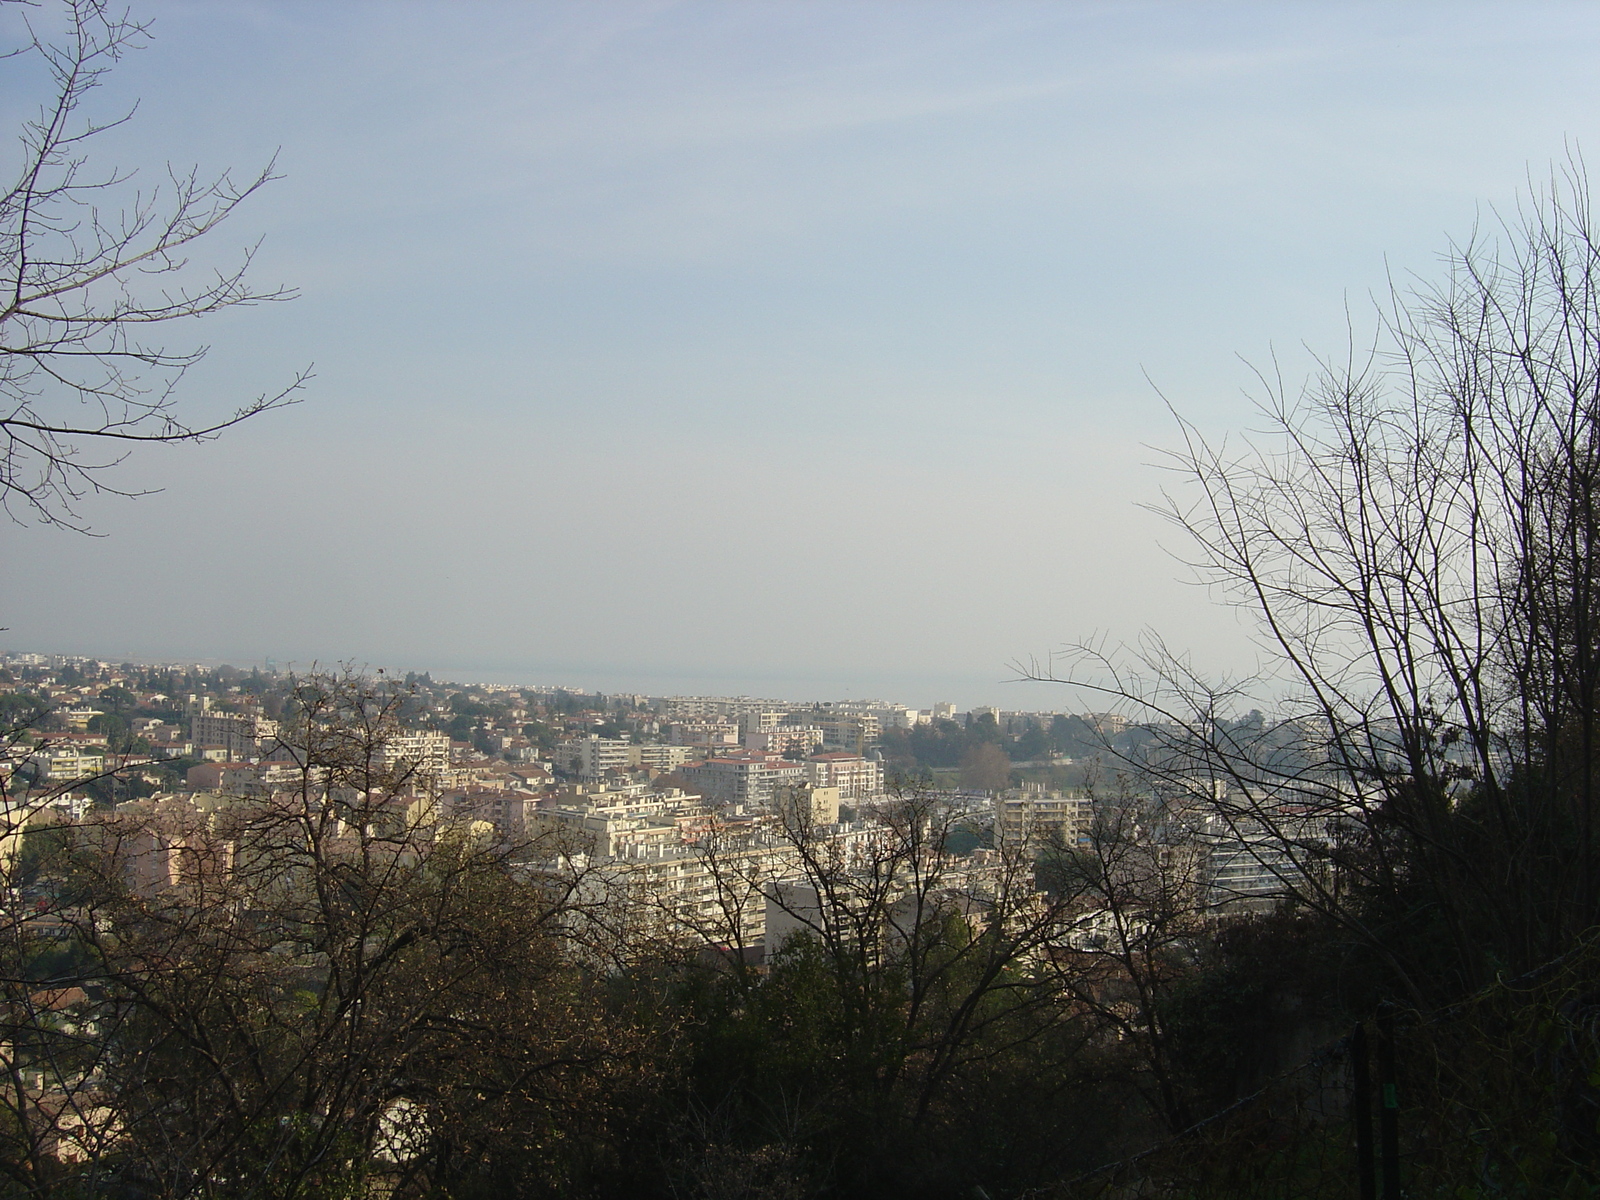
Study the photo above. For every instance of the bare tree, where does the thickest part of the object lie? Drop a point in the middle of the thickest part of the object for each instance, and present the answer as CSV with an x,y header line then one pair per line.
x,y
93,268
932,969
1129,906
314,992
1414,536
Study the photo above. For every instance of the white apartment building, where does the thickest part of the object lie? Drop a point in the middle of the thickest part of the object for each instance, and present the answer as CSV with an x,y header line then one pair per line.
x,y
709,886
1030,815
618,825
663,758
79,716
857,778
898,716
760,719
781,739
425,753
746,778
239,735
706,733
591,758
1254,865
846,730
504,809
62,764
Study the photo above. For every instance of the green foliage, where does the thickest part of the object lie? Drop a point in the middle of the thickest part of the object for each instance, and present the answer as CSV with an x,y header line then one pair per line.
x,y
1034,742
822,1068
22,710
114,728
942,744
965,837
464,706
1262,992
117,698
938,744
985,766
983,728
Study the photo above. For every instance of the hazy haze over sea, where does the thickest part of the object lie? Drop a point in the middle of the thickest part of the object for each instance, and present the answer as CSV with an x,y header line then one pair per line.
x,y
795,349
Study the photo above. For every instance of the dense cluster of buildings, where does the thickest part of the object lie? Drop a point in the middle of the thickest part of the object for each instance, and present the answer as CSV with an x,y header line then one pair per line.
x,y
660,801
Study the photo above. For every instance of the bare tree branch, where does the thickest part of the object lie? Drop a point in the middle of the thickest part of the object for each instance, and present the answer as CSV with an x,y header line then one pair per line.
x,y
86,266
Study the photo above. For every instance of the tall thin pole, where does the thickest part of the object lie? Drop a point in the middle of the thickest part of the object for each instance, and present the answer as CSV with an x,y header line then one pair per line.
x,y
1389,1112
1361,1115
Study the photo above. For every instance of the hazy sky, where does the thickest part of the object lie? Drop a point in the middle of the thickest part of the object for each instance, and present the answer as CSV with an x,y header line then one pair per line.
x,y
798,349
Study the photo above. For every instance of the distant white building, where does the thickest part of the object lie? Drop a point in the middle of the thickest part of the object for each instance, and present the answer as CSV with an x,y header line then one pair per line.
x,y
63,764
423,753
705,733
760,719
593,757
663,758
850,731
745,778
782,739
1251,864
898,716
1031,815
238,735
857,778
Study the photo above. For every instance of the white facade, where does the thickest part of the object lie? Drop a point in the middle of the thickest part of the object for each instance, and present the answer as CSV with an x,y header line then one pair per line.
x,y
747,779
1032,815
857,778
426,753
62,764
239,734
592,758
781,739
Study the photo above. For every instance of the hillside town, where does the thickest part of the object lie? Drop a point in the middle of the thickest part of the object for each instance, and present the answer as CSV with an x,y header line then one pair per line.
x,y
661,801
726,836
1091,365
